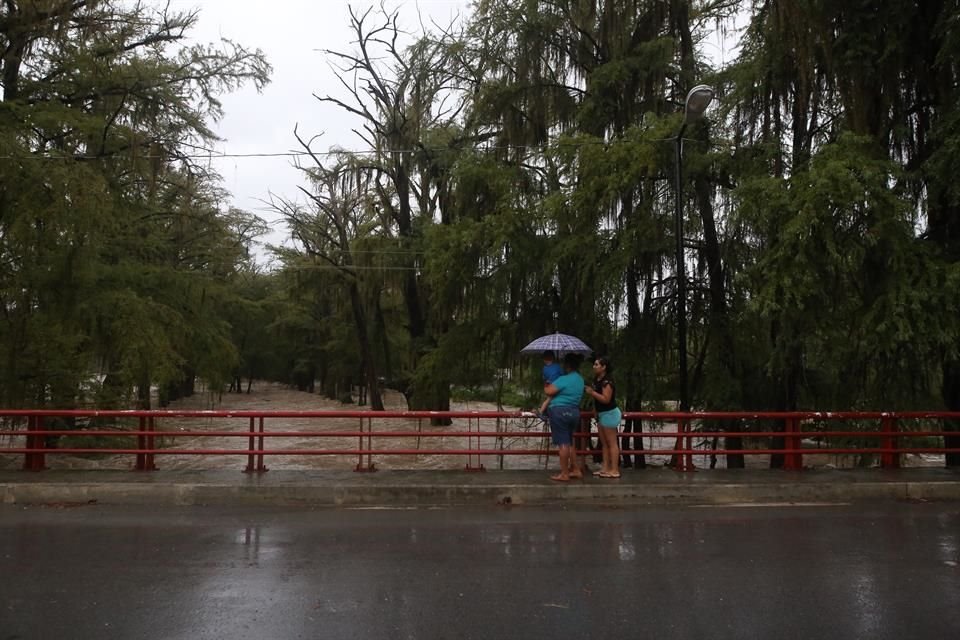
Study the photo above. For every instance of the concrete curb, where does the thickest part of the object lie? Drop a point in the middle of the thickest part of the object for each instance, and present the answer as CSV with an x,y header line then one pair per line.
x,y
447,488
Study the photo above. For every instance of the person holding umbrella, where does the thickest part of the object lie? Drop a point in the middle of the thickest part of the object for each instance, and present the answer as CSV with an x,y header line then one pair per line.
x,y
563,412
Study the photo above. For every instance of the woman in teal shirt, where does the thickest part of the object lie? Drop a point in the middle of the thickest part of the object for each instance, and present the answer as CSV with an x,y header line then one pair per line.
x,y
563,411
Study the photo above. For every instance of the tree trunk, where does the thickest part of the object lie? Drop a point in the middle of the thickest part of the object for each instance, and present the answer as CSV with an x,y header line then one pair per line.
x,y
143,393
788,379
722,341
366,353
434,398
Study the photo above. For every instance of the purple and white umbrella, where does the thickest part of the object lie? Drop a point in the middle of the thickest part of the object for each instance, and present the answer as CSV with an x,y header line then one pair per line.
x,y
559,343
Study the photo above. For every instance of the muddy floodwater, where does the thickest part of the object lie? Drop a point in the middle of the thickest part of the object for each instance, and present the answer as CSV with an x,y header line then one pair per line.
x,y
274,397
515,434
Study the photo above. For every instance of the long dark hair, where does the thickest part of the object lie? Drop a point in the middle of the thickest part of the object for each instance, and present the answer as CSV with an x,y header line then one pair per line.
x,y
607,365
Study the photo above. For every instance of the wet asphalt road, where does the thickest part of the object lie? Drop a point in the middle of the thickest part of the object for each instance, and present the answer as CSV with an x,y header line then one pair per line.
x,y
878,571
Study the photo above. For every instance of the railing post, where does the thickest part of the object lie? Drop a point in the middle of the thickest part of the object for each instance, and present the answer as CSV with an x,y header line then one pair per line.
x,y
151,445
889,426
584,442
145,442
470,466
793,461
369,467
359,466
250,449
255,448
688,464
34,461
261,466
684,442
789,462
141,464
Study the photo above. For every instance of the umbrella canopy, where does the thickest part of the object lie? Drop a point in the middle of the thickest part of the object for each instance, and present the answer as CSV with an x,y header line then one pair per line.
x,y
559,343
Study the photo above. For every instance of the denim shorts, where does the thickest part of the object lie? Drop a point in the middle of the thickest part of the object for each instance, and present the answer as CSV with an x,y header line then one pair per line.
x,y
563,423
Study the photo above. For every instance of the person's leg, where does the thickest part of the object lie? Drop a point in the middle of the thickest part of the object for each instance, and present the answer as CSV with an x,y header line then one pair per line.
x,y
614,450
577,472
564,421
605,448
559,439
610,448
573,425
563,476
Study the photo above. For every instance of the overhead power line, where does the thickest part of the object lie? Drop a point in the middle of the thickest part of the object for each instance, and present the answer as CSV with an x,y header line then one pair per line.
x,y
210,154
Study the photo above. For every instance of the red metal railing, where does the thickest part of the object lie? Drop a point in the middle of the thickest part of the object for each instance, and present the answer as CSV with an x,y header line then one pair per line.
x,y
890,440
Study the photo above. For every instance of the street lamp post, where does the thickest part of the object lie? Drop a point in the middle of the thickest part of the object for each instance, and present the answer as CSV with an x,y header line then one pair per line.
x,y
696,103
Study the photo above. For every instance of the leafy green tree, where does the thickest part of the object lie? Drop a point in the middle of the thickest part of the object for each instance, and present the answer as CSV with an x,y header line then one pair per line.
x,y
340,211
113,241
839,123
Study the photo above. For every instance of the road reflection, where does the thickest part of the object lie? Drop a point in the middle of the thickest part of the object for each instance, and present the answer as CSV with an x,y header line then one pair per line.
x,y
851,571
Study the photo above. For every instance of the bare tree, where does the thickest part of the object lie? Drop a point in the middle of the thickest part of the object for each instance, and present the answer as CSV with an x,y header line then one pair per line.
x,y
400,94
339,213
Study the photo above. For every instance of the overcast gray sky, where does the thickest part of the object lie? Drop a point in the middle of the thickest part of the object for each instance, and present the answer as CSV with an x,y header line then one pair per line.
x,y
292,34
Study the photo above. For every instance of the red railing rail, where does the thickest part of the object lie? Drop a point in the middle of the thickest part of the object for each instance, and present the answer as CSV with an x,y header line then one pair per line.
x,y
889,440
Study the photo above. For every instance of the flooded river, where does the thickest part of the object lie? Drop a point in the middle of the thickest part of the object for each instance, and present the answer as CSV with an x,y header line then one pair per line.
x,y
516,434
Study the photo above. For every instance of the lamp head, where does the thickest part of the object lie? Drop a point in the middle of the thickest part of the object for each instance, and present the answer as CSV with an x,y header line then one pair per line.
x,y
697,102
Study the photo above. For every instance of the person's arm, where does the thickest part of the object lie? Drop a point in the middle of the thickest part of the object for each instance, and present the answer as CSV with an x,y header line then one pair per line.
x,y
551,390
604,397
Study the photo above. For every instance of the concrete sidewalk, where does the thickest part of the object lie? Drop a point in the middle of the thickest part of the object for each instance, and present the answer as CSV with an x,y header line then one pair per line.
x,y
445,488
